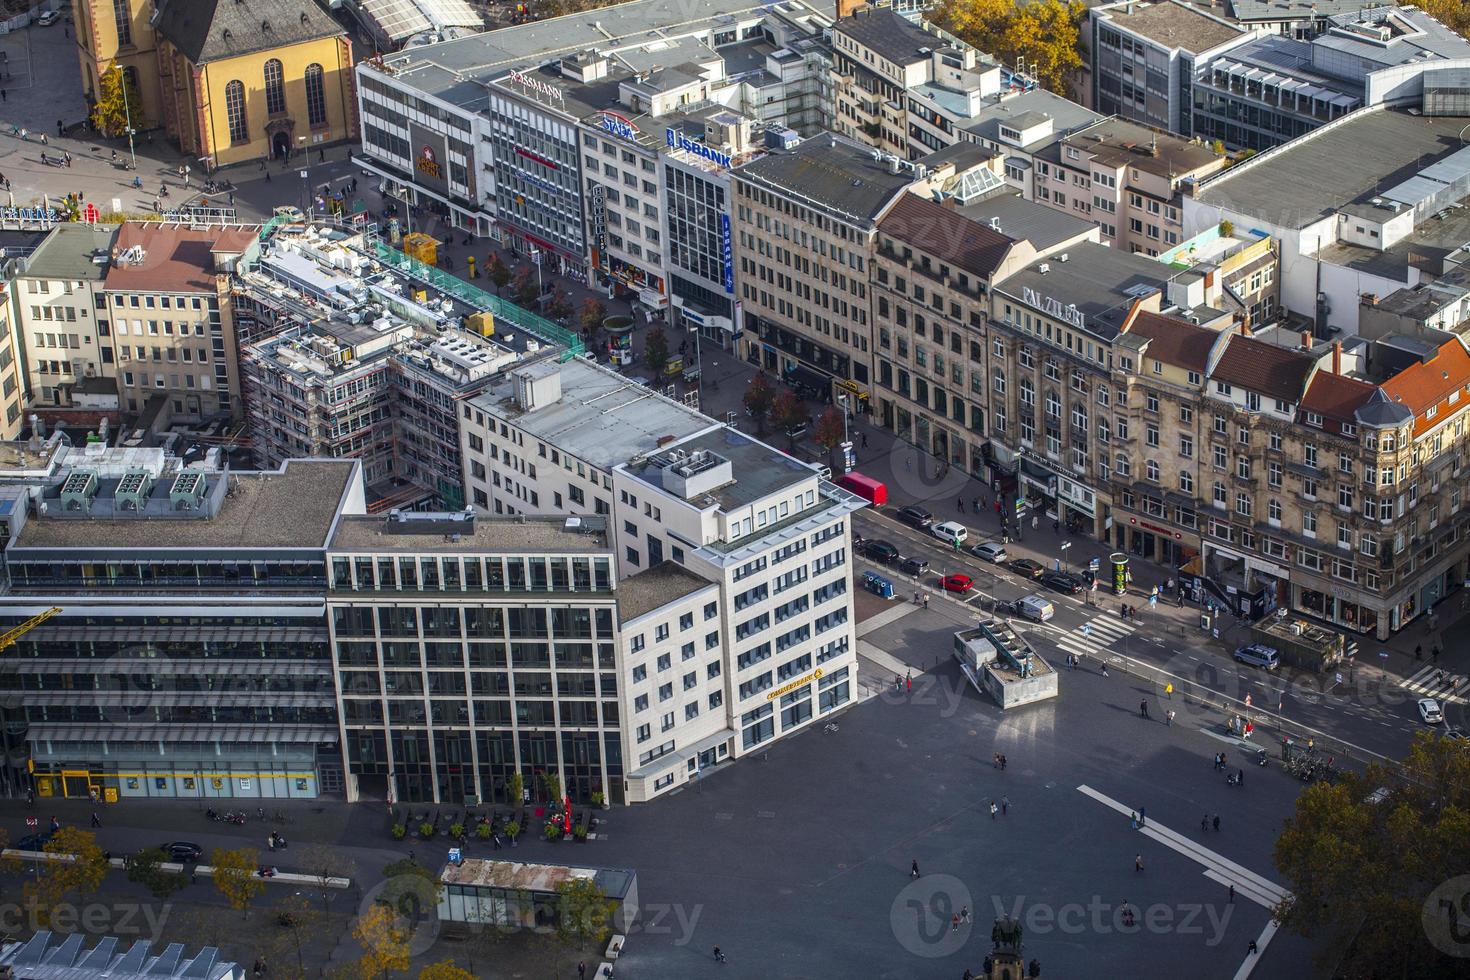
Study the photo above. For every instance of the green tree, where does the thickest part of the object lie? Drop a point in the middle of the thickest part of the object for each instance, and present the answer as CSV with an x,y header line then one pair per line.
x,y
497,272
583,916
117,98
1365,873
1043,36
236,878
759,397
656,350
144,869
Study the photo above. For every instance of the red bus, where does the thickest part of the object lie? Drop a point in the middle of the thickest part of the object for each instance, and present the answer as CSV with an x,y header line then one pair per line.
x,y
869,489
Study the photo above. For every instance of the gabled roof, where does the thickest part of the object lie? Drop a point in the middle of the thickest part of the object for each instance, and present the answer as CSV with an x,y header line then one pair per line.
x,y
936,230
213,30
1175,341
1430,384
1269,370
1337,397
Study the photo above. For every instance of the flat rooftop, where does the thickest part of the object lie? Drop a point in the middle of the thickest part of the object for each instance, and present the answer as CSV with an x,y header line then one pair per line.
x,y
759,469
1351,161
1101,282
1431,242
660,585
292,508
177,258
66,253
1122,143
1016,110
535,878
500,535
1175,25
831,171
602,418
1029,221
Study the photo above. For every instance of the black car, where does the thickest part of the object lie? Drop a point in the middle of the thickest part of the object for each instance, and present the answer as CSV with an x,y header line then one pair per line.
x,y
915,517
913,566
1026,568
182,851
1062,582
33,842
880,551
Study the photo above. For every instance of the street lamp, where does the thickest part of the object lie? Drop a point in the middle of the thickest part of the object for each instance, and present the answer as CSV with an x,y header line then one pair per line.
x,y
536,261
1066,565
122,80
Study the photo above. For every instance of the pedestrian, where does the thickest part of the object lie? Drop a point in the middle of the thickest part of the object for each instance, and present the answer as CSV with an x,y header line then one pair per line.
x,y
1105,670
582,971
954,922
960,505
96,821
1138,862
67,158
55,824
267,176
30,797
1005,805
1169,718
1216,823
1142,816
1434,653
1418,651
4,95
909,682
1143,709
993,809
1132,820
897,684
719,956
1240,779
1251,948
1034,521
1204,822
1231,896
914,869
865,439
1002,762
964,913
321,155
45,140
232,198
1056,527
1169,691
926,600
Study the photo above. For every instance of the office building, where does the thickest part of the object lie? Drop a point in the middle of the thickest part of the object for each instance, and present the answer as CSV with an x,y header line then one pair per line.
x,y
47,956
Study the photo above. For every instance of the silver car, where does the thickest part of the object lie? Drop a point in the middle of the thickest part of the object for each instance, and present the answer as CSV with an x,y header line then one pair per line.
x,y
992,551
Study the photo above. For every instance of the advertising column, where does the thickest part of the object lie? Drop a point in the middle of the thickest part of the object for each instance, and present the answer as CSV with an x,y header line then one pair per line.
x,y
1120,572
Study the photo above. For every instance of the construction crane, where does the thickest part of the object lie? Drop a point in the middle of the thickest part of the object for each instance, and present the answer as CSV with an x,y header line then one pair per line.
x,y
8,638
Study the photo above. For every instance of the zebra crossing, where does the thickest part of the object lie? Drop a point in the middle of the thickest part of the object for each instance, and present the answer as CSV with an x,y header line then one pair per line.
x,y
1435,682
1095,636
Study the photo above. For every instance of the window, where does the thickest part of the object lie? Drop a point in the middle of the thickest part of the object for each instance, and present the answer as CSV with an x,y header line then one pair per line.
x,y
275,87
124,25
234,110
316,96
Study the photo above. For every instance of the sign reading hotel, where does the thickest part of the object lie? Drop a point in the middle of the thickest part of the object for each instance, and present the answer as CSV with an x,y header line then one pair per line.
x,y
535,85
619,125
681,142
1053,308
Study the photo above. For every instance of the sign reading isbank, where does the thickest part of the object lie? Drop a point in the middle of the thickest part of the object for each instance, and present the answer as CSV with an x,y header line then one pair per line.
x,y
681,142
727,253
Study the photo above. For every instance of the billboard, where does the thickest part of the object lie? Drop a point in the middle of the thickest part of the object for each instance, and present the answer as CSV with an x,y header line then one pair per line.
x,y
430,158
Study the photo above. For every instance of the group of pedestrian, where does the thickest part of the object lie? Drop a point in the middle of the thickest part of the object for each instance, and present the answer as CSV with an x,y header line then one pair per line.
x,y
998,759
1206,822
963,915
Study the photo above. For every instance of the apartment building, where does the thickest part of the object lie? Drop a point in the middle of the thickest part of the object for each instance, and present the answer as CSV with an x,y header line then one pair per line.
x,y
12,368
60,315
1145,57
807,223
680,491
190,658
169,304
1129,179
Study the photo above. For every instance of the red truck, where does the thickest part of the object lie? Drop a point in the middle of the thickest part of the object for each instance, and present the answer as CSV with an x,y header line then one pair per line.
x,y
869,489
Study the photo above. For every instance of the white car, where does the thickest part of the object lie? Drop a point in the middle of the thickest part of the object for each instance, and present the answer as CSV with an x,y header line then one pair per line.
x,y
48,18
950,532
1430,711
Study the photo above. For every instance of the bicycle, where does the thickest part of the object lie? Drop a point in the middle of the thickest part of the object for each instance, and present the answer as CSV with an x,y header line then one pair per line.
x,y
830,727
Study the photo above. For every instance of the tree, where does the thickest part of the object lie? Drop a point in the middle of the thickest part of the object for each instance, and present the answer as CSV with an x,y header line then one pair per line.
x,y
526,287
831,429
236,877
78,866
144,869
583,915
788,413
1364,871
759,397
117,99
1043,36
497,272
656,350
323,863
8,865
592,315
384,941
302,922
560,306
445,971
1454,14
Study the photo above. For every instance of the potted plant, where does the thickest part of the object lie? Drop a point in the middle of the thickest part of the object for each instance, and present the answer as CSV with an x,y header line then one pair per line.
x,y
399,831
515,788
599,799
483,831
456,830
426,829
512,830
580,832
553,832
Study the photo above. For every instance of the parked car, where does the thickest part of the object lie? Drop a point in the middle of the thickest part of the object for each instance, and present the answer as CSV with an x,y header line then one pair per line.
x,y
914,566
1026,568
1259,655
1458,735
182,851
950,532
48,18
1063,582
33,842
990,551
1037,608
915,517
880,551
956,583
1430,711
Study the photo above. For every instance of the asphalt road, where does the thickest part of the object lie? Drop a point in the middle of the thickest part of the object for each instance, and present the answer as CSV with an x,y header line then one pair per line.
x,y
1367,709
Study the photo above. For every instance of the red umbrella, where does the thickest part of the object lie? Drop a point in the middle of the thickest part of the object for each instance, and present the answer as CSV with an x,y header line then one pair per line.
x,y
566,824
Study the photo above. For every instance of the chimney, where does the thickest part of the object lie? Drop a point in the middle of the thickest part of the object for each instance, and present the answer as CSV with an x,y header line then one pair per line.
x,y
1337,357
1306,340
1245,323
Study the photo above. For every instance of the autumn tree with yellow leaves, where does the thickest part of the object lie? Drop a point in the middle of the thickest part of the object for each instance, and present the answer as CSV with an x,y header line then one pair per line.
x,y
384,936
1042,35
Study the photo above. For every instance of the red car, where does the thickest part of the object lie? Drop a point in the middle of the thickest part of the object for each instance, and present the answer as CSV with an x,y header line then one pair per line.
x,y
956,583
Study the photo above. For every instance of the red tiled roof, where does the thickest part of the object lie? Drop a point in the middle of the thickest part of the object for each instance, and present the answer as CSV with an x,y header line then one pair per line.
x,y
1335,396
936,230
1429,384
1269,370
1175,341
